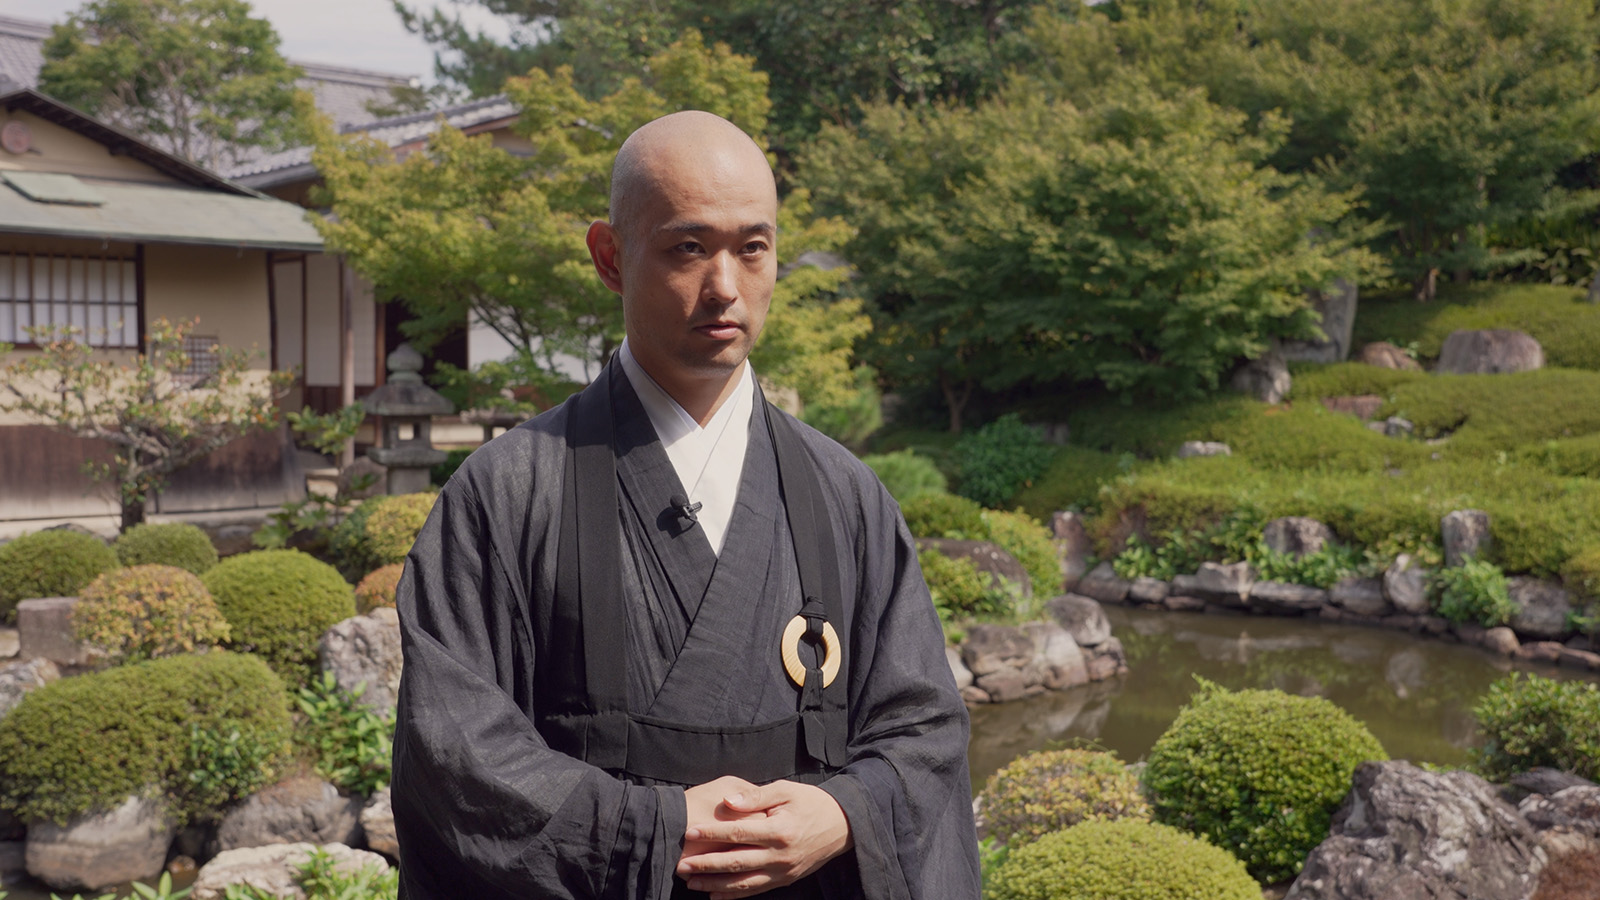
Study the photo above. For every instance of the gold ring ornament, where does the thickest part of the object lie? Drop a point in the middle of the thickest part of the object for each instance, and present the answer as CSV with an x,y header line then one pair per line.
x,y
831,660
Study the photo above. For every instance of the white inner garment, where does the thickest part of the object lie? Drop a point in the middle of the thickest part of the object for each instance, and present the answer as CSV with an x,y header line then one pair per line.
x,y
709,460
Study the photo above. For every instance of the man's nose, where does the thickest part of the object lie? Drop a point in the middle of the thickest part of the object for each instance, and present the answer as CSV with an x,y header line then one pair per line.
x,y
721,283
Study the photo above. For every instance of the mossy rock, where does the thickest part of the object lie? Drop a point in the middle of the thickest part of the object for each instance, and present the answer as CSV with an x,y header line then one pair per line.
x,y
147,612
377,589
1056,789
1121,860
278,604
1259,772
168,544
82,744
56,563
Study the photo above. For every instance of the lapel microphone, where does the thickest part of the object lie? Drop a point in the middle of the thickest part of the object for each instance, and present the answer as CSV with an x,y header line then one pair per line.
x,y
685,508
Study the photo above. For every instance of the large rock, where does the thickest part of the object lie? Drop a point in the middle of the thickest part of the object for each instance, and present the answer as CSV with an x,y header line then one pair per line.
x,y
1266,379
1360,596
1567,821
1228,585
44,627
1082,617
989,649
1489,352
1336,311
1287,599
989,558
298,810
1362,406
10,642
1056,656
17,679
1465,533
1072,546
1103,584
1148,590
96,852
1190,449
1405,832
1405,585
365,650
377,822
273,869
1385,355
1501,640
958,670
1297,536
1542,607
1106,660
1004,686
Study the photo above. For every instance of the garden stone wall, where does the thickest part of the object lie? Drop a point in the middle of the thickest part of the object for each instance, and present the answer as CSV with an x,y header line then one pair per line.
x,y
1000,663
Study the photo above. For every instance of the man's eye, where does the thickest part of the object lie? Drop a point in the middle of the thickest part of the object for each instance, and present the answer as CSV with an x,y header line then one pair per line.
x,y
754,247
687,247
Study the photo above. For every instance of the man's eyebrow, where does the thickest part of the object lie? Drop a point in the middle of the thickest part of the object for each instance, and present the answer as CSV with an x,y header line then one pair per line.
x,y
762,228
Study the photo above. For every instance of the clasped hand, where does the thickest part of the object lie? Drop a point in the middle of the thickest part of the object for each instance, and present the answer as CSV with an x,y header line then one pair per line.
x,y
743,839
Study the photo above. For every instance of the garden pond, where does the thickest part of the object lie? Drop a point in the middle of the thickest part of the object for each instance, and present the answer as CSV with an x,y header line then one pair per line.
x,y
1414,693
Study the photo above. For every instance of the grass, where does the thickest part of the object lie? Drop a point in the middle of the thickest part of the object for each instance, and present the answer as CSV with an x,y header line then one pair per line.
x,y
1559,318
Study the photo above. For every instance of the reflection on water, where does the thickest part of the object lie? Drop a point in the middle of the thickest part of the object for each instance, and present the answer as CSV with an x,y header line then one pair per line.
x,y
1415,694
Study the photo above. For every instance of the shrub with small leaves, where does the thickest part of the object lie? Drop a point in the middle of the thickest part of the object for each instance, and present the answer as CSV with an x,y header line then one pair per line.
x,y
347,741
223,764
377,589
145,612
960,591
393,526
322,878
1000,459
1121,860
1529,721
1475,591
169,544
1581,574
906,475
278,604
1055,789
83,744
1021,535
53,563
1257,772
945,516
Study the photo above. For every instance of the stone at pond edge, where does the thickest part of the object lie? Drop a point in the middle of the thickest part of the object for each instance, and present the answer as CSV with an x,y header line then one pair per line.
x,y
1082,617
995,648
272,869
958,669
18,679
1056,656
1285,598
98,851
1296,536
1489,352
1103,584
1004,686
365,650
1190,449
1228,585
1501,640
1567,821
1548,781
377,821
1360,596
989,558
1106,661
298,810
1404,832
1542,607
1540,651
44,627
1073,547
1465,533
1148,590
1405,584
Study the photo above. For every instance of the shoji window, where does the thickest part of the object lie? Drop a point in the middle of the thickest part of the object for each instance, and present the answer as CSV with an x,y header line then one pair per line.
x,y
97,295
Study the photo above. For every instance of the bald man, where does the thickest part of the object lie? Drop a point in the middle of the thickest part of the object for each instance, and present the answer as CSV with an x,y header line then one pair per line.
x,y
665,641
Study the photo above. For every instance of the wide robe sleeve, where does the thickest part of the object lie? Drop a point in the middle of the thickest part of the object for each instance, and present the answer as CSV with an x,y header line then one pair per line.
x,y
483,807
905,789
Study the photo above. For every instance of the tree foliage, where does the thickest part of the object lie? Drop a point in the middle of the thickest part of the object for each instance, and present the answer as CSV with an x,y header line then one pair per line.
x,y
156,418
202,79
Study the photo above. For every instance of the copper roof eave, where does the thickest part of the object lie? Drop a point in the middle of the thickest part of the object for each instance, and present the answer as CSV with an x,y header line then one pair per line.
x,y
133,238
117,141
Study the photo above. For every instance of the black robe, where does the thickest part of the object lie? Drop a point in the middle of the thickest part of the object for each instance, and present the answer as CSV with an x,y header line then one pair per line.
x,y
485,809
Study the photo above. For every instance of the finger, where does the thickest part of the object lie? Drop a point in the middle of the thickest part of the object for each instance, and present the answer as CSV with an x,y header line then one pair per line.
x,y
733,885
741,860
759,831
758,797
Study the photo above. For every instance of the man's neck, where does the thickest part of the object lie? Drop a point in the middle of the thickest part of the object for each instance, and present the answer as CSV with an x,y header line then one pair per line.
x,y
699,397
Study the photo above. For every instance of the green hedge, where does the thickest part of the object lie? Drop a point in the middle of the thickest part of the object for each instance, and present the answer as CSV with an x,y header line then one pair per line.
x,y
1557,317
1121,860
84,744
1072,481
905,475
167,544
278,604
1529,721
56,563
1257,772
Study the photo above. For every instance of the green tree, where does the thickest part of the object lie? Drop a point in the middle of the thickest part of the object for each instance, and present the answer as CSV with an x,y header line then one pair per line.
x,y
155,418
202,79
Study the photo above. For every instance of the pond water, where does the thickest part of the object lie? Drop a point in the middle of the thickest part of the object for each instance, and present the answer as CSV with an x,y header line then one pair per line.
x,y
1414,693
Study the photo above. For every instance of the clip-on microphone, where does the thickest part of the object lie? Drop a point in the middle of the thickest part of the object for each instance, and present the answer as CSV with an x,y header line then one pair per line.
x,y
685,508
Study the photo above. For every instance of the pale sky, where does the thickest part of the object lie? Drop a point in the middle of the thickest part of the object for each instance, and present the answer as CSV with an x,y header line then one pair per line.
x,y
363,34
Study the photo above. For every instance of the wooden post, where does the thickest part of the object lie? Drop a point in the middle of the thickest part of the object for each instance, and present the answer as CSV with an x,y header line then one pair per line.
x,y
347,352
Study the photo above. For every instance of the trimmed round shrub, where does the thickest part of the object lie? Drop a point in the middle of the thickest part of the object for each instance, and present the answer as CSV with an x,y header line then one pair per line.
x,y
49,564
945,516
377,589
1055,789
1122,860
168,544
906,475
278,603
82,744
394,524
145,612
1020,535
1258,772
1530,721
1000,459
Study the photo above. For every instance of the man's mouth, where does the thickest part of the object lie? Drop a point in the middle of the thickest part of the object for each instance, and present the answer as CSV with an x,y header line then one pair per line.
x,y
720,330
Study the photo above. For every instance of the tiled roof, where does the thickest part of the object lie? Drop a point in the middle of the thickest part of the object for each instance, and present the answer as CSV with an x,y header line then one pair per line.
x,y
22,50
295,163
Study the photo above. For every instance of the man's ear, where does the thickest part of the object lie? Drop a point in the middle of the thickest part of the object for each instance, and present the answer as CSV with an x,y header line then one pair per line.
x,y
603,249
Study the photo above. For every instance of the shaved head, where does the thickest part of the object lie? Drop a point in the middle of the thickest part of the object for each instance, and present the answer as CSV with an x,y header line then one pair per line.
x,y
661,150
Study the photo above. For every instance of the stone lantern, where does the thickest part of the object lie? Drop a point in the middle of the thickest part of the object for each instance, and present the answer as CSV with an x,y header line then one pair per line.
x,y
407,407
